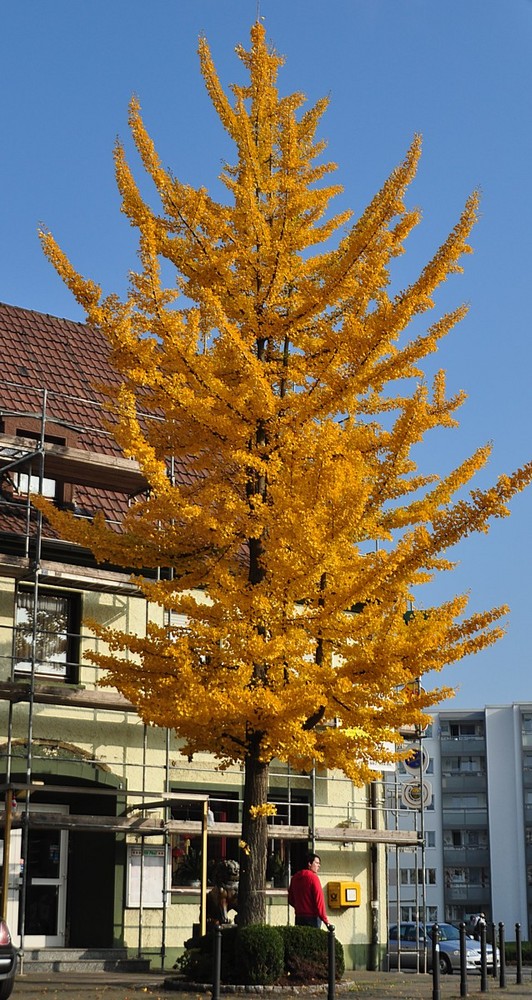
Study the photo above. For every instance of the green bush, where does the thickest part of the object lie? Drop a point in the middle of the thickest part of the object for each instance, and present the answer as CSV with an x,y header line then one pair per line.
x,y
196,964
250,955
511,952
306,954
259,955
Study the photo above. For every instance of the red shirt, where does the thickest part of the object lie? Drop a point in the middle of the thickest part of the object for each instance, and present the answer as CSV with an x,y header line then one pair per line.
x,y
306,895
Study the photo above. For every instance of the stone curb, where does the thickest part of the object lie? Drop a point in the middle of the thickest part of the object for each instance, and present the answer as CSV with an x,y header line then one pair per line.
x,y
179,985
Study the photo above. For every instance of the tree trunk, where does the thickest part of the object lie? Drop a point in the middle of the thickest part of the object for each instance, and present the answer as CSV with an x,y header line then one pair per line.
x,y
253,856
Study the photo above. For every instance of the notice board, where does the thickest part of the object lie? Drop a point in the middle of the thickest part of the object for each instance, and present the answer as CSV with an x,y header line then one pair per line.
x,y
145,866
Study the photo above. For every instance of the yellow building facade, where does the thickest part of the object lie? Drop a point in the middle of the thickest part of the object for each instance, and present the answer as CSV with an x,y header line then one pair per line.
x,y
104,821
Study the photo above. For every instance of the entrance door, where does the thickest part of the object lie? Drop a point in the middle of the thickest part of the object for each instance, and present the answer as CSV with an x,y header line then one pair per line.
x,y
46,871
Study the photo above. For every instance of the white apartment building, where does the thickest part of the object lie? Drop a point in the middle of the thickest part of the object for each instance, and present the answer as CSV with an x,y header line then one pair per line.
x,y
468,792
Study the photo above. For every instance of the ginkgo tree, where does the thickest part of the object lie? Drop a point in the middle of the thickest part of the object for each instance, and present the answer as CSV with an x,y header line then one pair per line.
x,y
272,397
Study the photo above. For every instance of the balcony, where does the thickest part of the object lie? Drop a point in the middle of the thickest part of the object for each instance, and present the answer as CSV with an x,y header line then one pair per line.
x,y
467,857
469,745
465,819
464,781
475,897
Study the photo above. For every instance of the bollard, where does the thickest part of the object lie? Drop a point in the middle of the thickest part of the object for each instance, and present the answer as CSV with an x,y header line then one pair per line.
x,y
463,960
518,955
331,991
436,992
494,947
216,962
502,949
483,959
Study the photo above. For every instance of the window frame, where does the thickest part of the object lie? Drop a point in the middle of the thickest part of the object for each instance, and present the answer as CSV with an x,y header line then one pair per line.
x,y
70,636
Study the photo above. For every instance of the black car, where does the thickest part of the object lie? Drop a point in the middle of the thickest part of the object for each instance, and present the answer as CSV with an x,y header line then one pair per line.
x,y
8,962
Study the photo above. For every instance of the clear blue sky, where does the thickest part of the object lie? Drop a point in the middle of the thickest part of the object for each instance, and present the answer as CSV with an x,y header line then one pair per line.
x,y
457,71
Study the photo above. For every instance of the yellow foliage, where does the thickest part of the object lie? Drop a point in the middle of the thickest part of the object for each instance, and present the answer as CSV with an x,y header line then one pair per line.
x,y
265,809
274,415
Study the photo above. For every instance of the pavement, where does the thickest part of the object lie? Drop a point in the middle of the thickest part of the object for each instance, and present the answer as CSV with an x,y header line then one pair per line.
x,y
159,985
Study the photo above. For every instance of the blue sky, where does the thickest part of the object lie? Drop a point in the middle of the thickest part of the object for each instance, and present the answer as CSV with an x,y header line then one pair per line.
x,y
457,71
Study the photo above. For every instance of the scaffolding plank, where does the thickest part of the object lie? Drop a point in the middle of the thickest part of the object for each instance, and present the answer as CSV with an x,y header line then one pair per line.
x,y
152,825
350,835
75,465
16,691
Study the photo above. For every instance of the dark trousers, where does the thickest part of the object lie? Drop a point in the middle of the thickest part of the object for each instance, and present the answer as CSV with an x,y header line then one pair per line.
x,y
308,922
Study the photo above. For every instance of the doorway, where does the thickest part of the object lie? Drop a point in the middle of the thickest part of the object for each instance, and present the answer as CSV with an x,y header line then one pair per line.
x,y
46,883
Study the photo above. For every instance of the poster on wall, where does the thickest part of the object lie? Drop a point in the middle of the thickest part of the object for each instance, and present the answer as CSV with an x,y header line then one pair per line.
x,y
145,871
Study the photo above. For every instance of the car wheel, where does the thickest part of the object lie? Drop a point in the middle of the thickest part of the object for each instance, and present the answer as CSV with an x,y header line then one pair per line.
x,y
6,988
445,965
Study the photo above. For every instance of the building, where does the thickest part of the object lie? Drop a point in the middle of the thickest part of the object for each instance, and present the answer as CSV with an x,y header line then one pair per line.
x,y
93,797
476,811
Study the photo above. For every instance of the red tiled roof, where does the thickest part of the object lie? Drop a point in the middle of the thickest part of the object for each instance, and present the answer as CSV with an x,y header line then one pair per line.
x,y
40,352
51,368
48,351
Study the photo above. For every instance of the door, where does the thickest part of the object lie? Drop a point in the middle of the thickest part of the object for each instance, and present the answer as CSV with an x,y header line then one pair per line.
x,y
46,874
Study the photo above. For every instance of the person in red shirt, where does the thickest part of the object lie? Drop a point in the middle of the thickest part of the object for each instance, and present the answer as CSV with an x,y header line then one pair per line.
x,y
306,895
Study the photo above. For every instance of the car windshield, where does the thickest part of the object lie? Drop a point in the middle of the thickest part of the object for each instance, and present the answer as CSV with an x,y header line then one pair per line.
x,y
447,932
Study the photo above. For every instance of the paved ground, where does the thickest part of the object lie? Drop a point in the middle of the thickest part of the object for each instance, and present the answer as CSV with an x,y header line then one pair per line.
x,y
154,985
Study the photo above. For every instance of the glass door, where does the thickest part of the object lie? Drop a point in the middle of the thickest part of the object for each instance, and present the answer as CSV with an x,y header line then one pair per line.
x,y
46,873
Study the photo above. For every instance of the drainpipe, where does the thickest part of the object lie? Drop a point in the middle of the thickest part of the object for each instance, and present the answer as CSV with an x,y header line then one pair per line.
x,y
313,812
167,851
8,806
373,958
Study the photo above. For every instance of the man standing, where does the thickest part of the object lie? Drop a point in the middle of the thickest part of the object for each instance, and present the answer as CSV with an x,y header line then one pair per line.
x,y
306,895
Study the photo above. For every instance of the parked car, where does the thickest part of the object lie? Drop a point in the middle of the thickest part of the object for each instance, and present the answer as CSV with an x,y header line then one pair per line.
x,y
8,962
413,944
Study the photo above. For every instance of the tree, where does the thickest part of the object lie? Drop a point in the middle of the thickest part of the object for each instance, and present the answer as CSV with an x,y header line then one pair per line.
x,y
274,414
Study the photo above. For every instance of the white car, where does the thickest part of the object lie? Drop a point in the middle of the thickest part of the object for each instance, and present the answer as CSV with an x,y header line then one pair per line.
x,y
8,962
407,946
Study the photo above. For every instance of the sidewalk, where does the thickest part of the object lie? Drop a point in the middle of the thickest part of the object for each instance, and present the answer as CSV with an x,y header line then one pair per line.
x,y
163,985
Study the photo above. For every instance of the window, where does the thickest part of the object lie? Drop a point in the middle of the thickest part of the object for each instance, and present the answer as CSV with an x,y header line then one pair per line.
x,y
526,722
57,641
412,914
463,730
430,838
410,875
25,484
287,855
186,847
463,765
466,876
28,482
458,839
456,876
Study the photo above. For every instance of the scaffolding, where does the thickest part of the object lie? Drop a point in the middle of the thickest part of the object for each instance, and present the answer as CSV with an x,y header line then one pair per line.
x,y
34,558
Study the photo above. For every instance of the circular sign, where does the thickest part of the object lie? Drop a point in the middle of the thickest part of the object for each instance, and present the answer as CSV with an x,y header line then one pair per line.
x,y
418,759
416,794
